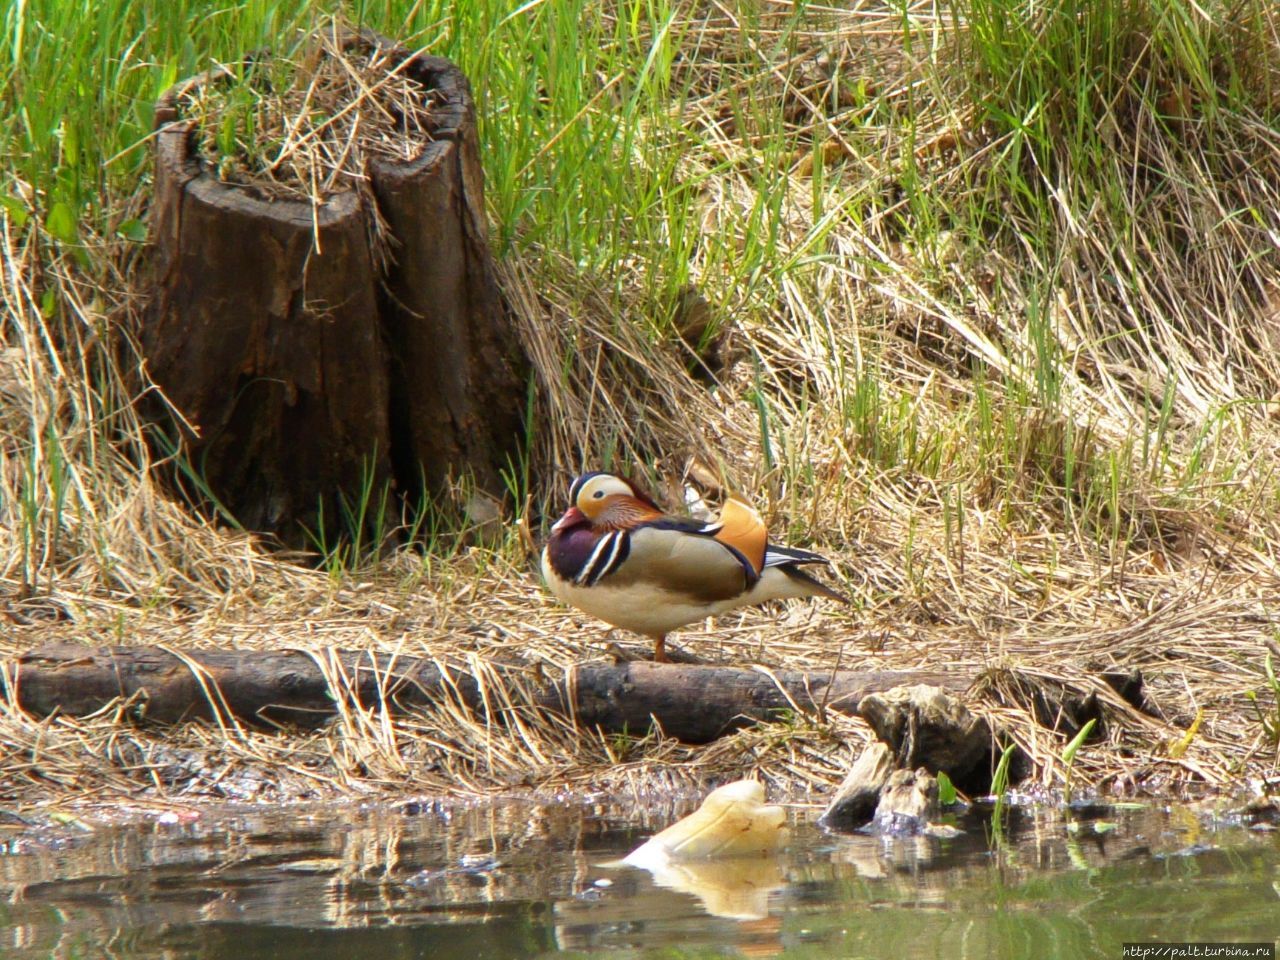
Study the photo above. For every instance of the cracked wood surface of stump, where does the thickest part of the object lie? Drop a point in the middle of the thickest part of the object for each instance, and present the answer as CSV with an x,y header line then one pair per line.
x,y
309,368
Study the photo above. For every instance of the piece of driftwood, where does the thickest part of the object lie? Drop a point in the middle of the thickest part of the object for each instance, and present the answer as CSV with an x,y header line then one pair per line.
x,y
908,803
926,726
922,729
693,703
314,367
856,798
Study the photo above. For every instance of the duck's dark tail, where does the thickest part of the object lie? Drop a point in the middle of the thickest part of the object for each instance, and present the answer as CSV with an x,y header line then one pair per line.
x,y
789,560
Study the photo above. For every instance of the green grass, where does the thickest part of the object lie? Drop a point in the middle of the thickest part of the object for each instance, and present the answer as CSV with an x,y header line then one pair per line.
x,y
1069,756
1000,783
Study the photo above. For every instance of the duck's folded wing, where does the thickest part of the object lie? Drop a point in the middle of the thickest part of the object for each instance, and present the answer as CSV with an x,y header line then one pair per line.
x,y
675,558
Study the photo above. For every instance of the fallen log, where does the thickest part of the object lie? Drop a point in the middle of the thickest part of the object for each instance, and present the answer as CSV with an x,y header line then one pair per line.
x,y
693,703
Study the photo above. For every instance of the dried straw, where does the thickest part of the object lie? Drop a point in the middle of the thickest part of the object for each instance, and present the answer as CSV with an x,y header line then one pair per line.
x,y
987,563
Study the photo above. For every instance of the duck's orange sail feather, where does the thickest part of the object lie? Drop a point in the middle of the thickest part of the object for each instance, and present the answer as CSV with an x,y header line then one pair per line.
x,y
742,528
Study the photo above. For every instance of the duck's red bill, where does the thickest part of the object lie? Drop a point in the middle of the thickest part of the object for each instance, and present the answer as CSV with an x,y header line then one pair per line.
x,y
571,517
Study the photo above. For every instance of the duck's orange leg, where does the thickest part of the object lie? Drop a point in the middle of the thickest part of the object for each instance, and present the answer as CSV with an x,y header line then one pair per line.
x,y
660,649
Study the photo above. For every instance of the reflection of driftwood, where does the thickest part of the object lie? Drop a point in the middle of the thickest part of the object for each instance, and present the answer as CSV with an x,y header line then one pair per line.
x,y
694,703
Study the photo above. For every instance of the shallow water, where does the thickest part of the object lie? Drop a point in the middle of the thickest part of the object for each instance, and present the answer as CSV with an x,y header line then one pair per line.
x,y
524,881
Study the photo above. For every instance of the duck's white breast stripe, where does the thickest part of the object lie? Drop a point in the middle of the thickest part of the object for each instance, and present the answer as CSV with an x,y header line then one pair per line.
x,y
584,575
616,556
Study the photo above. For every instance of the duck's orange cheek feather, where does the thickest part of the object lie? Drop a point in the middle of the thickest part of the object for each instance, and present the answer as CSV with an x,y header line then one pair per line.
x,y
625,513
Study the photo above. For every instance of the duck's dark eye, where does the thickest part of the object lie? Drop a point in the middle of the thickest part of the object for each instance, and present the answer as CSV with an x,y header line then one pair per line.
x,y
598,494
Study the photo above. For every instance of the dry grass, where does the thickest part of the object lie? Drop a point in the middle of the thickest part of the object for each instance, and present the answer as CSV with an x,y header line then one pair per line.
x,y
1036,453
304,126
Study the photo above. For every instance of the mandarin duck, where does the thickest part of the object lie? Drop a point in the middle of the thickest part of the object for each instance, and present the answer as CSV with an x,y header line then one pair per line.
x,y
615,555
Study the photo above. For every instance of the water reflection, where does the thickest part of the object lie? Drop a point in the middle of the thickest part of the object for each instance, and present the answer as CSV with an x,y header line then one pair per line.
x,y
520,881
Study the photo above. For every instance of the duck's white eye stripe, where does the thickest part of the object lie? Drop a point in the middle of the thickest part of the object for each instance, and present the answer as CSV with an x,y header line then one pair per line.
x,y
584,575
621,548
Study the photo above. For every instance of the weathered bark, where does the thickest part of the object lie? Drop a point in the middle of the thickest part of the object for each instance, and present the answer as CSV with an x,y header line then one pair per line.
x,y
310,368
856,798
267,346
456,398
693,703
908,803
923,725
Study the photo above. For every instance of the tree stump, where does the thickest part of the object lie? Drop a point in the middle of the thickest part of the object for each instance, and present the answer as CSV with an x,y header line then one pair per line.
x,y
310,366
